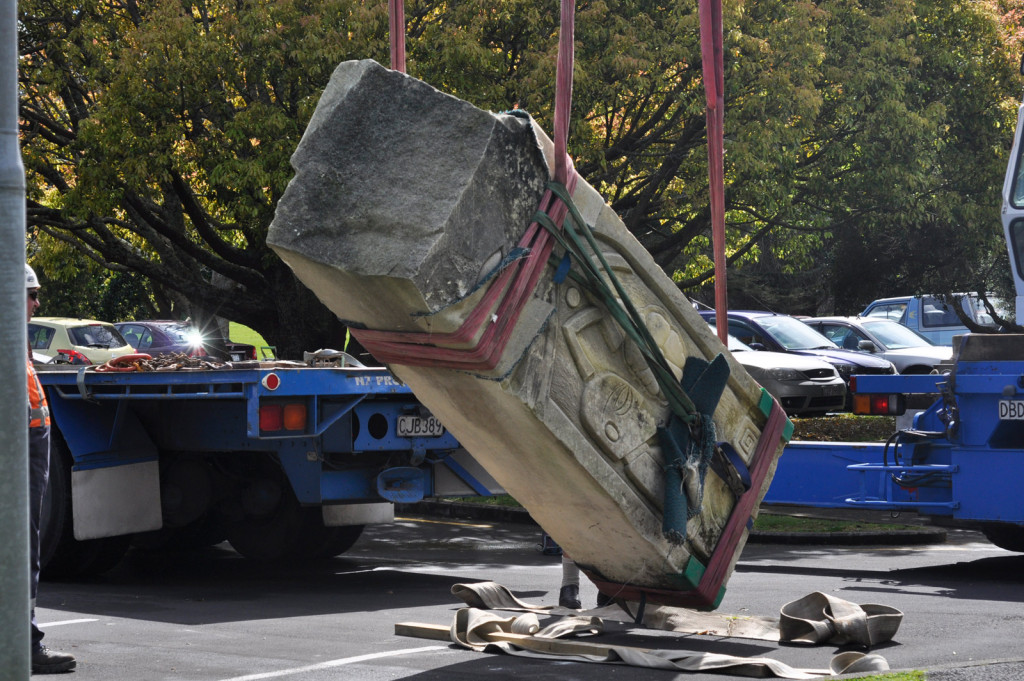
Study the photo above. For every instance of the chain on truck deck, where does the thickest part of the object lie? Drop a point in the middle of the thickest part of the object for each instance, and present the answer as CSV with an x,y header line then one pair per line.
x,y
179,361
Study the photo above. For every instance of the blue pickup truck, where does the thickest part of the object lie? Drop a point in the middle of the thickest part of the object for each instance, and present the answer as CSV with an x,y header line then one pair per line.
x,y
930,316
283,460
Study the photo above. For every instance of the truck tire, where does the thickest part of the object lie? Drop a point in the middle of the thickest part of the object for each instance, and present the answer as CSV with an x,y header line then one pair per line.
x,y
332,541
291,533
200,534
60,554
274,537
1005,536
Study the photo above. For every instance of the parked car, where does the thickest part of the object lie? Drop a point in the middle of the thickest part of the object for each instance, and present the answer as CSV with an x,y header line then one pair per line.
x,y
931,316
69,340
782,333
911,352
239,352
163,336
804,386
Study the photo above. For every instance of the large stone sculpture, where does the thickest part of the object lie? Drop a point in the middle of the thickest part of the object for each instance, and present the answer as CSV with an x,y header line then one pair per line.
x,y
408,217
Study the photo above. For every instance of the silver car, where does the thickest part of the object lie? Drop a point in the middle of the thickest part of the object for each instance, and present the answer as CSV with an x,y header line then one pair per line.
x,y
911,352
804,386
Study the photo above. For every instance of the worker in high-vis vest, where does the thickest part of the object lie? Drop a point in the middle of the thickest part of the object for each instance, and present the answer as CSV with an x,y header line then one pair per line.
x,y
44,660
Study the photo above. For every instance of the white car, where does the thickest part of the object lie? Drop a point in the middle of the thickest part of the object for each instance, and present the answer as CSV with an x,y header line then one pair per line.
x,y
804,386
76,341
911,352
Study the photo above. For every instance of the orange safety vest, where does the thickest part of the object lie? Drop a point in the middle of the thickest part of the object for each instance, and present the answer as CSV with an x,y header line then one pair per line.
x,y
38,410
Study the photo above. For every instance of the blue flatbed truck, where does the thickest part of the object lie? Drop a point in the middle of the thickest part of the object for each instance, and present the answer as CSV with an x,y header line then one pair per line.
x,y
959,462
284,461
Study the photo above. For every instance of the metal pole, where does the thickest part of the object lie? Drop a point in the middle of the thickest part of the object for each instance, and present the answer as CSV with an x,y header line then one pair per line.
x,y
14,520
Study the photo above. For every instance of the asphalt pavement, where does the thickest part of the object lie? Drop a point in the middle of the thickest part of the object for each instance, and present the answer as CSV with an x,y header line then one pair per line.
x,y
210,615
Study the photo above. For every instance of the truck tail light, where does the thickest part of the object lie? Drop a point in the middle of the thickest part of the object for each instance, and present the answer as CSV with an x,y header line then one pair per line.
x,y
271,417
290,416
879,405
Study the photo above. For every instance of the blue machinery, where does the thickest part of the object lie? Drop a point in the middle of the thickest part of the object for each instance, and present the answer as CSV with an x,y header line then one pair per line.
x,y
963,458
340,434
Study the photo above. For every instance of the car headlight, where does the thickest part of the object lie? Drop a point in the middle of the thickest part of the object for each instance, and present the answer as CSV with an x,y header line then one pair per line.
x,y
845,370
781,374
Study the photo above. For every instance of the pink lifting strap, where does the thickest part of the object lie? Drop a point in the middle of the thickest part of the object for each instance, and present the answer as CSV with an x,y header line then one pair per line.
x,y
396,29
714,90
516,282
563,90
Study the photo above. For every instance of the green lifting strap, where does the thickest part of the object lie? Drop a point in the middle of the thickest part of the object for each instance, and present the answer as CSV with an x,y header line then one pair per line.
x,y
688,438
623,312
688,449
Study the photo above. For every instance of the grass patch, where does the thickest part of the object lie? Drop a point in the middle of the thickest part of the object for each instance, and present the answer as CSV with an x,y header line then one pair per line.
x,y
770,522
765,522
496,500
844,428
241,333
896,676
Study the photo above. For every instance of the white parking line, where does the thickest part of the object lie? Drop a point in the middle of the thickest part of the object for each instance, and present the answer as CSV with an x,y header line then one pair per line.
x,y
62,623
333,663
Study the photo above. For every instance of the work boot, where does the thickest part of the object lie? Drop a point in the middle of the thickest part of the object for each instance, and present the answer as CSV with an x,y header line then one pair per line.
x,y
46,661
603,600
569,597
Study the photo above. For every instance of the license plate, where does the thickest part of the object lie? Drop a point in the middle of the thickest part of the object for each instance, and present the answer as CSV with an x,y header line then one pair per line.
x,y
1011,410
419,426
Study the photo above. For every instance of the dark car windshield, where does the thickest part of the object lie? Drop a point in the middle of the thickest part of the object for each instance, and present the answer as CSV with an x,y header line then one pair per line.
x,y
793,334
180,333
896,336
96,336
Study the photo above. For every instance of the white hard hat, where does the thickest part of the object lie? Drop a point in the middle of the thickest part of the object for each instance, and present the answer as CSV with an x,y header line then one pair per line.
x,y
31,280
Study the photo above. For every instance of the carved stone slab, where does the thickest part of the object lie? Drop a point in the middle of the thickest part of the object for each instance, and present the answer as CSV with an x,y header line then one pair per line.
x,y
406,208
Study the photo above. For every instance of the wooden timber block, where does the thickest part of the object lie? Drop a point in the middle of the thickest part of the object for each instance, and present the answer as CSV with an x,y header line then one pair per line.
x,y
407,216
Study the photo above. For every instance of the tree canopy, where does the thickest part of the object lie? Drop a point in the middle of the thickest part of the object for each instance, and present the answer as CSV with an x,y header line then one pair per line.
x,y
865,139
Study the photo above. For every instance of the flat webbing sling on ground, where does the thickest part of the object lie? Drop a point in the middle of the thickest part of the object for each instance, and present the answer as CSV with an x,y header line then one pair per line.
x,y
815,619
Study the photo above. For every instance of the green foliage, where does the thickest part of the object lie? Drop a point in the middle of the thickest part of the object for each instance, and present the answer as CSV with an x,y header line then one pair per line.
x,y
865,140
73,286
156,139
931,162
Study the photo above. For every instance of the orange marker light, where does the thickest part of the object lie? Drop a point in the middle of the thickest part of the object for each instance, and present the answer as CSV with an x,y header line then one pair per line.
x,y
295,417
878,404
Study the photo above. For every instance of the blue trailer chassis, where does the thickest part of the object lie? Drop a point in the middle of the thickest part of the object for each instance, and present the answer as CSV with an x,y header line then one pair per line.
x,y
962,459
256,449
